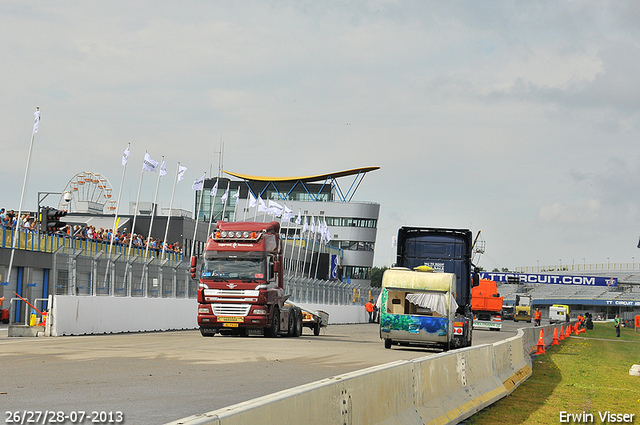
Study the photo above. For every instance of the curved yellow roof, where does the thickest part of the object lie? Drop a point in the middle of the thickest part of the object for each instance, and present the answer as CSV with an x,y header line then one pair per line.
x,y
306,179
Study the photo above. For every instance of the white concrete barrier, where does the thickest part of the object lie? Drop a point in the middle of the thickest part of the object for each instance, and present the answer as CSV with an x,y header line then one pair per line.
x,y
442,389
79,315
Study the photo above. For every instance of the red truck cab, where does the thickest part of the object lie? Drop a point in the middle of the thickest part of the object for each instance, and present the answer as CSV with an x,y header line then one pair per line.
x,y
240,287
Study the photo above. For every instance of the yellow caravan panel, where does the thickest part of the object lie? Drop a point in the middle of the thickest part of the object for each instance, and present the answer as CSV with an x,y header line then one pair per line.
x,y
405,278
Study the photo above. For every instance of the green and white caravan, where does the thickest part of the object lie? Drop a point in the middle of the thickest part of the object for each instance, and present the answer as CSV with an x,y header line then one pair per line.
x,y
418,307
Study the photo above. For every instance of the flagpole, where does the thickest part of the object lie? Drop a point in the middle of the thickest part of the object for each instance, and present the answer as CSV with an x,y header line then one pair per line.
x,y
135,212
313,248
322,237
115,218
299,249
306,252
153,207
166,230
125,159
235,207
213,204
255,216
195,227
244,215
226,197
16,231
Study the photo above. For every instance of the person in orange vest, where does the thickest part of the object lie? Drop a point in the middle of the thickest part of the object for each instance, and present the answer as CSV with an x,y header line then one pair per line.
x,y
537,316
369,307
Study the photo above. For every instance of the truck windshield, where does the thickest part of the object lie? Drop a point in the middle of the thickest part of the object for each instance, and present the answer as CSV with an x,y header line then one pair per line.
x,y
234,267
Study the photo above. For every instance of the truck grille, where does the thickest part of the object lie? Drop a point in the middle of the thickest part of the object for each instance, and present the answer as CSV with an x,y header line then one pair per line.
x,y
231,292
231,309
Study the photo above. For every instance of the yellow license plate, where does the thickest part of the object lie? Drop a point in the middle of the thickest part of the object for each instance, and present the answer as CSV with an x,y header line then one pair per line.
x,y
229,325
230,319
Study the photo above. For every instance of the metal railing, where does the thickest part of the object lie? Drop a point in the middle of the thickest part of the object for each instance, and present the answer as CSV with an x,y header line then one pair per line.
x,y
88,267
34,241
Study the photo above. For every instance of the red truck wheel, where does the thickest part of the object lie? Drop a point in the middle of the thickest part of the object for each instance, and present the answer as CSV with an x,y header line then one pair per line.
x,y
274,329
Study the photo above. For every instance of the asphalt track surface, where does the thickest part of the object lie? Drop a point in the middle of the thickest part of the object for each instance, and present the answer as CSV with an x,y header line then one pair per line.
x,y
158,377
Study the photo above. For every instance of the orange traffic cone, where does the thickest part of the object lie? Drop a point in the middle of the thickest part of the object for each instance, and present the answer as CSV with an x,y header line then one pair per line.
x,y
575,329
561,335
581,330
540,344
555,337
567,334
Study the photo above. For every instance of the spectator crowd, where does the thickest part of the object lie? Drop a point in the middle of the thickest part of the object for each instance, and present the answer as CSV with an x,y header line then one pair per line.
x,y
8,219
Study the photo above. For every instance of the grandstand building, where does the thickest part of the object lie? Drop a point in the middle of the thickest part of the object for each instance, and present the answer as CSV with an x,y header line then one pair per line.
x,y
352,226
603,293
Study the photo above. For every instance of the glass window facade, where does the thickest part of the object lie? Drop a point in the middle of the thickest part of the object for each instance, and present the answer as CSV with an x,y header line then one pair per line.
x,y
353,245
352,222
355,272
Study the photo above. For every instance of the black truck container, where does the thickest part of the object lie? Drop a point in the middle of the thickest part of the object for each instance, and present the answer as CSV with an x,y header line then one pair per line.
x,y
445,251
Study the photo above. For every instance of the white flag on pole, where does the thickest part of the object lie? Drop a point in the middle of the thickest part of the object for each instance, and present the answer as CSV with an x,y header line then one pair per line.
x,y
149,164
275,208
236,195
36,123
252,200
125,156
313,225
225,196
305,226
325,231
288,214
198,184
163,169
181,172
214,189
262,206
299,217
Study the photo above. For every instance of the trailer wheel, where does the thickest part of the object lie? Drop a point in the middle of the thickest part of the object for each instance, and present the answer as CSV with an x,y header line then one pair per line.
x,y
298,326
387,343
316,329
274,329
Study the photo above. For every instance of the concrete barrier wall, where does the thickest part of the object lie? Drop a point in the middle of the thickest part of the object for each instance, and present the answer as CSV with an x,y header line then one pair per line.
x,y
81,315
442,389
78,315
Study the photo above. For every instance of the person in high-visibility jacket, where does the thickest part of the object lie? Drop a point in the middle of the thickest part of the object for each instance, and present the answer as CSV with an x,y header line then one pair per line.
x,y
537,317
369,307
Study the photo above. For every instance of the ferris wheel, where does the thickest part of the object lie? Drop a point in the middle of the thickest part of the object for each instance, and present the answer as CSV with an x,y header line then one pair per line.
x,y
88,192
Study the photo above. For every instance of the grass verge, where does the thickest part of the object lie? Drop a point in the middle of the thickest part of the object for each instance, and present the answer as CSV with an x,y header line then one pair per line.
x,y
589,373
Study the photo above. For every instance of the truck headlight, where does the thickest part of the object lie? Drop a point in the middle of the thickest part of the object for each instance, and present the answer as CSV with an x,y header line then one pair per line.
x,y
203,310
259,311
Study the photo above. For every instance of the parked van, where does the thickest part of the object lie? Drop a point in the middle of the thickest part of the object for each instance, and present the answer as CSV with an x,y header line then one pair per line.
x,y
558,313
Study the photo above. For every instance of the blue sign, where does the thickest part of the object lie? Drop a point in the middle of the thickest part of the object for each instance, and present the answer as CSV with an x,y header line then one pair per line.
x,y
333,272
557,279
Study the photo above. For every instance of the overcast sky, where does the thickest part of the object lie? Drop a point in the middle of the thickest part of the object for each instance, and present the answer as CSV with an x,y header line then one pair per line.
x,y
518,119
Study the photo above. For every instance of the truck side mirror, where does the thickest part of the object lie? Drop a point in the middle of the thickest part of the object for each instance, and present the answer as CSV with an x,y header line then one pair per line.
x,y
194,265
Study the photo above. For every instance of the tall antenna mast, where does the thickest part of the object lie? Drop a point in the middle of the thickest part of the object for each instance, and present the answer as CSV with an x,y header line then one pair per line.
x,y
221,157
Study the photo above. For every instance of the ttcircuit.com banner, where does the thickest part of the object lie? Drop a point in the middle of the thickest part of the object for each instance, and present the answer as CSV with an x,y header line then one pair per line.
x,y
557,279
